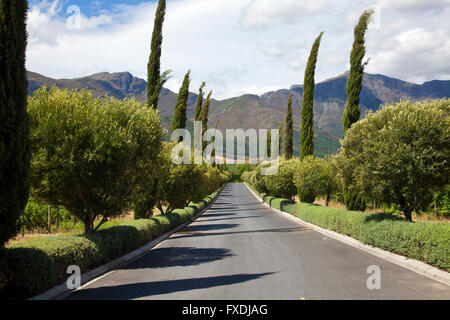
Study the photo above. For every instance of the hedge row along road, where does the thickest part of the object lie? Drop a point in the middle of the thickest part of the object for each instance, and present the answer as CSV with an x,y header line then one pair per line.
x,y
240,249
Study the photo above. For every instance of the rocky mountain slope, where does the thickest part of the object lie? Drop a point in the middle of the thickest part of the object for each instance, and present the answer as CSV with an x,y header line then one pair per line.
x,y
267,110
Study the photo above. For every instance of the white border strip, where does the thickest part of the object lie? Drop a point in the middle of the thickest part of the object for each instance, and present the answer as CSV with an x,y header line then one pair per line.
x,y
411,264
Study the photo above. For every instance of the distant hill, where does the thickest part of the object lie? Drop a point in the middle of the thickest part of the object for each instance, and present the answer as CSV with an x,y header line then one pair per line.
x,y
267,110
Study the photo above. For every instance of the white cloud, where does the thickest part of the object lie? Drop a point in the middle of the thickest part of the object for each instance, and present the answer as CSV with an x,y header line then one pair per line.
x,y
264,13
419,55
237,52
415,6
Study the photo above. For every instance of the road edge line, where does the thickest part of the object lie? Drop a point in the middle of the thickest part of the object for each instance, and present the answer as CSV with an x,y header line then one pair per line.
x,y
414,265
61,291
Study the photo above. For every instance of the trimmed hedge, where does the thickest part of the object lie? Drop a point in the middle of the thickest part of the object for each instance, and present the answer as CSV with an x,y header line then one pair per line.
x,y
38,265
428,242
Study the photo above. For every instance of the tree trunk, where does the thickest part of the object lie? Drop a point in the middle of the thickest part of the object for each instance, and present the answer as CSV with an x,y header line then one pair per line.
x,y
436,208
408,214
49,219
328,200
23,225
88,224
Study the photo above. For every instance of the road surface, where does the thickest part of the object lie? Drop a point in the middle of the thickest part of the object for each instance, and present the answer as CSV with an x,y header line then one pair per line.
x,y
240,249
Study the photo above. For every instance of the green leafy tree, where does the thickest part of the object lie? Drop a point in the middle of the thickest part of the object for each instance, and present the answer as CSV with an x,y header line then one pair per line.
x,y
309,179
204,117
154,80
179,184
14,130
269,143
179,117
282,185
289,138
329,183
307,129
400,154
89,154
352,110
198,106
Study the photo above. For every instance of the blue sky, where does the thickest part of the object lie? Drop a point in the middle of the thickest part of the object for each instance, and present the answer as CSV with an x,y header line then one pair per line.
x,y
90,7
238,46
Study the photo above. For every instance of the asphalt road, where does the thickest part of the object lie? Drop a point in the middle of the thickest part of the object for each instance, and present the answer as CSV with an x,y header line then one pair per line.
x,y
240,249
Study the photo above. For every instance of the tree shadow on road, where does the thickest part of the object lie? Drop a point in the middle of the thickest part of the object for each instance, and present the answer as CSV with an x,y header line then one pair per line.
x,y
209,227
149,289
179,256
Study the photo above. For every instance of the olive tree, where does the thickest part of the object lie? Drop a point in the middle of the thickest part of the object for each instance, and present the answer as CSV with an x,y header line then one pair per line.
x,y
282,185
178,184
401,153
87,154
315,177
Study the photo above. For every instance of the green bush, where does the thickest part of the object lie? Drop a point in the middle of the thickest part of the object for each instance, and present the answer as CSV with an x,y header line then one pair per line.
x,y
36,215
315,177
282,183
281,204
423,241
178,184
37,265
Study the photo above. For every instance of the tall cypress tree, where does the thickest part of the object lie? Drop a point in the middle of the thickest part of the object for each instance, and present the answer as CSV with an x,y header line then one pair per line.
x,y
280,139
198,106
288,140
269,143
354,84
204,117
307,129
14,121
179,117
154,80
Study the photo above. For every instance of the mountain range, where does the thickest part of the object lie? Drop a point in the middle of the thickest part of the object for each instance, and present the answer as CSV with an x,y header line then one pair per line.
x,y
267,110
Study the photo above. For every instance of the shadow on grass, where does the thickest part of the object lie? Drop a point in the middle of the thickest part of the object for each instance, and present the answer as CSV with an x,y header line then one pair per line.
x,y
378,217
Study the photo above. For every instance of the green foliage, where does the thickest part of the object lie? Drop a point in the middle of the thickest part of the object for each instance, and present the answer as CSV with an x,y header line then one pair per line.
x,y
257,180
399,154
198,105
268,143
37,265
242,170
179,116
427,242
280,141
36,214
307,129
352,111
353,200
14,132
282,184
89,153
442,199
204,117
145,198
154,80
288,139
178,184
308,179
